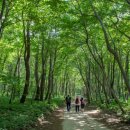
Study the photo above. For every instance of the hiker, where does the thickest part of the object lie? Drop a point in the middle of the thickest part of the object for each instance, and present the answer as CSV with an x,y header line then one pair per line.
x,y
77,104
82,104
68,102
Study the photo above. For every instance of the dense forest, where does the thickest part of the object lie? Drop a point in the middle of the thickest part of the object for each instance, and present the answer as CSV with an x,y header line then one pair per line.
x,y
51,48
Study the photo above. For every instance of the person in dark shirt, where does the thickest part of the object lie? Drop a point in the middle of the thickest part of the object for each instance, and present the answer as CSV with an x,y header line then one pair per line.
x,y
68,102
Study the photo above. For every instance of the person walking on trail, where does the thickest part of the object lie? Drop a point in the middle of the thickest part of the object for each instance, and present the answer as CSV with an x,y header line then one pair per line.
x,y
82,104
68,102
77,104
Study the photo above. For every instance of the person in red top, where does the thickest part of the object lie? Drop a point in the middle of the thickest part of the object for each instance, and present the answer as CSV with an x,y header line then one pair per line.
x,y
77,104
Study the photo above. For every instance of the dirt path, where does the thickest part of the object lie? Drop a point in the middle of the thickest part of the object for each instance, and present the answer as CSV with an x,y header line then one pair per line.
x,y
91,119
81,121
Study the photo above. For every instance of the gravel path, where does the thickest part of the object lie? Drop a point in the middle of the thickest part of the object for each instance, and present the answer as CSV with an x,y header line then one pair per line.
x,y
63,120
91,119
81,121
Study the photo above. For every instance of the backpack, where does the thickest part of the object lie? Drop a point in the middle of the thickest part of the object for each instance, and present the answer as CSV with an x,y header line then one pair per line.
x,y
82,102
68,99
77,101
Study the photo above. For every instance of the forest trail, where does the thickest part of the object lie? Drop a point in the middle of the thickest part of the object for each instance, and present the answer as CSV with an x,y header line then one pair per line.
x,y
63,120
81,121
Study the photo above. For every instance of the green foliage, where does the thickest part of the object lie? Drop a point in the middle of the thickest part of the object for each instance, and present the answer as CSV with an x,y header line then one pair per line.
x,y
67,33
112,106
16,116
57,100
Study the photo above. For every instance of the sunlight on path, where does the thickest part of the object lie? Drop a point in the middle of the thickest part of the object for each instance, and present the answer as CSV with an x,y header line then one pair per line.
x,y
63,120
80,121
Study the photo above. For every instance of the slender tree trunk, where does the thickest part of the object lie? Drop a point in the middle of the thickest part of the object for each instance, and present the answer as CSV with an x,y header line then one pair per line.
x,y
43,75
52,73
1,15
13,90
37,96
103,86
85,81
88,74
119,85
49,78
99,92
66,87
112,88
127,73
26,60
4,12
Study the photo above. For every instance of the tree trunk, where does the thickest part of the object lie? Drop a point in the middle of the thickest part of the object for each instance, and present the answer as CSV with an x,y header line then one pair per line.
x,y
37,96
26,60
4,12
88,74
49,79
16,72
43,75
52,72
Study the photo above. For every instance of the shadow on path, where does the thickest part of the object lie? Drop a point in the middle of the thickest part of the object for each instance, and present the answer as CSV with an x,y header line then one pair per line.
x,y
113,121
91,119
63,120
51,122
81,121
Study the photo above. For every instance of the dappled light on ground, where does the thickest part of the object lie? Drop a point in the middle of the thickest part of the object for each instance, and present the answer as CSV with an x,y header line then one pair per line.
x,y
92,112
113,120
81,121
92,119
110,119
63,120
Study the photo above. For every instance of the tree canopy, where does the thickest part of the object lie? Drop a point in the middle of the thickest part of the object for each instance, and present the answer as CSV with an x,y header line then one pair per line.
x,y
52,48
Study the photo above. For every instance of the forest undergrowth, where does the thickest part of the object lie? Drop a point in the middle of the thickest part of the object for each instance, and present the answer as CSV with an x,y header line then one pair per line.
x,y
19,116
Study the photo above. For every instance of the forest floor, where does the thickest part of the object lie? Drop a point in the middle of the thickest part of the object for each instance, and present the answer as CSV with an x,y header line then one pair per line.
x,y
90,119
